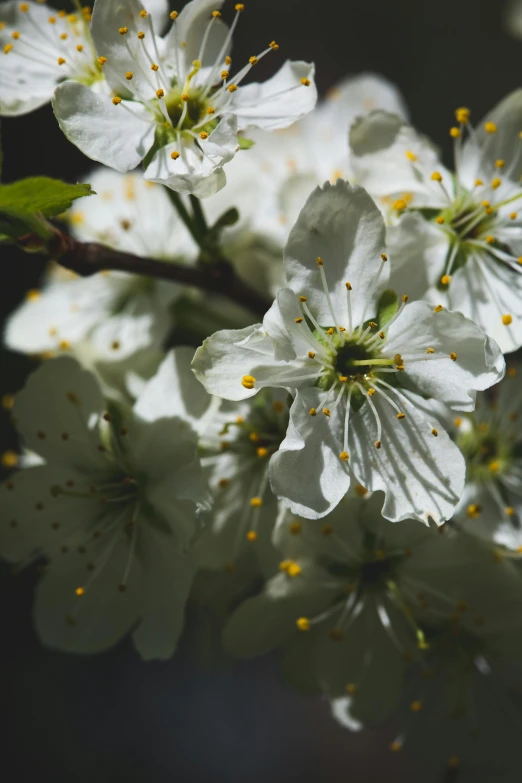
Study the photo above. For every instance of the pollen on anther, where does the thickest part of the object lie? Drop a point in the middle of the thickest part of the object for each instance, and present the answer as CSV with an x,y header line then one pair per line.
x,y
496,183
256,502
438,309
434,432
298,320
7,48
303,623
453,356
174,155
455,133
430,350
129,75
319,261
116,101
295,528
102,60
348,286
436,176
377,444
401,415
79,47
305,82
61,61
312,412
416,706
490,127
160,93
326,411
311,355
507,319
440,220
123,30
173,15
400,205
445,279
251,535
411,155
80,591
273,45
203,135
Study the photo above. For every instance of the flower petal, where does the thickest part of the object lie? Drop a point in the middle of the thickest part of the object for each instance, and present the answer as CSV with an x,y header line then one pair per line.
x,y
306,472
421,474
340,224
102,131
184,39
464,360
278,102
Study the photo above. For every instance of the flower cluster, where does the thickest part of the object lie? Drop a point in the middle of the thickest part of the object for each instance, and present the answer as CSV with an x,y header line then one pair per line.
x,y
339,480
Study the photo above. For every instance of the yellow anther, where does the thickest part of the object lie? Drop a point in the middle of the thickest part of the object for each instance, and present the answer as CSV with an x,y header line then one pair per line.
x,y
348,286
453,356
256,502
154,67
395,746
80,591
326,411
251,535
24,7
327,530
262,452
216,14
203,135
494,466
79,47
499,164
344,456
61,14
305,82
371,392
123,30
16,35
129,75
377,444
400,205
513,215
401,415
438,309
293,569
52,20
486,204
434,432
9,459
455,133
343,378
411,155
330,331
416,706
102,60
61,61
298,320
436,176
457,421
509,510
143,13
512,371
225,74
63,36
141,35
430,350
312,412
490,127
303,299
295,528
232,88
382,335
8,402
311,355
253,437
116,101
405,298
445,279
248,381
474,510
223,483
303,624
211,110
160,93
33,295
228,60
175,155
273,45
173,15
240,7
440,220
453,762
490,239
507,319
462,115
253,60
384,257
496,183
478,183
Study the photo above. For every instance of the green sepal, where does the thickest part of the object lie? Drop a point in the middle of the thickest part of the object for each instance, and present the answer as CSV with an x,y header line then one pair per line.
x,y
387,307
245,144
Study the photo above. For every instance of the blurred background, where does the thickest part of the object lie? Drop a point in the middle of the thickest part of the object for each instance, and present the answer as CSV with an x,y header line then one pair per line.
x,y
111,716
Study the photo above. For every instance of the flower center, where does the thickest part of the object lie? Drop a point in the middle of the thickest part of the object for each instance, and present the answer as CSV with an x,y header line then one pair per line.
x,y
187,109
487,453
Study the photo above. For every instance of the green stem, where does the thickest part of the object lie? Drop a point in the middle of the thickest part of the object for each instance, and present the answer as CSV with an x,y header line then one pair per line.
x,y
186,217
394,590
199,216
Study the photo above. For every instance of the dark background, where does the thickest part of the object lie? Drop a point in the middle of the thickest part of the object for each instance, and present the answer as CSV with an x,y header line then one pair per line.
x,y
112,717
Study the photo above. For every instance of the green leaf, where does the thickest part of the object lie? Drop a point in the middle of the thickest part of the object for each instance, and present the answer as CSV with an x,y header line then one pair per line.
x,y
245,144
48,196
387,307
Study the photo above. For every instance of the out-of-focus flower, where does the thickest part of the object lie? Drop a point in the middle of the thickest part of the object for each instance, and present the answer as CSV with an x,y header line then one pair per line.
x,y
112,510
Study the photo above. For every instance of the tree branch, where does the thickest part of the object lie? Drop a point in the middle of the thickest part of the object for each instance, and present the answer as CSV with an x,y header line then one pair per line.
x,y
218,277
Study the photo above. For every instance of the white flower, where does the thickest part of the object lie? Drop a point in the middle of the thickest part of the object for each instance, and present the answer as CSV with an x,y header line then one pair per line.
x,y
112,322
236,451
356,381
175,104
113,510
459,240
43,47
355,596
490,439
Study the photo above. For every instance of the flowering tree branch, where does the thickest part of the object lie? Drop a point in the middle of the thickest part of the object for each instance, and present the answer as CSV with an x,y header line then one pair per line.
x,y
218,277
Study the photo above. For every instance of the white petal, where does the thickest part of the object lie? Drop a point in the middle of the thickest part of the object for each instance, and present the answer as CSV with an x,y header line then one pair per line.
x,y
379,143
174,391
165,585
226,357
279,324
477,363
183,42
102,615
306,472
340,224
421,474
57,412
159,10
489,523
278,102
417,251
102,131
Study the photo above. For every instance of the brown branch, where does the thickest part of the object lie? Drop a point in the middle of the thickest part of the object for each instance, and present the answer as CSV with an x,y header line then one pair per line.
x,y
218,277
